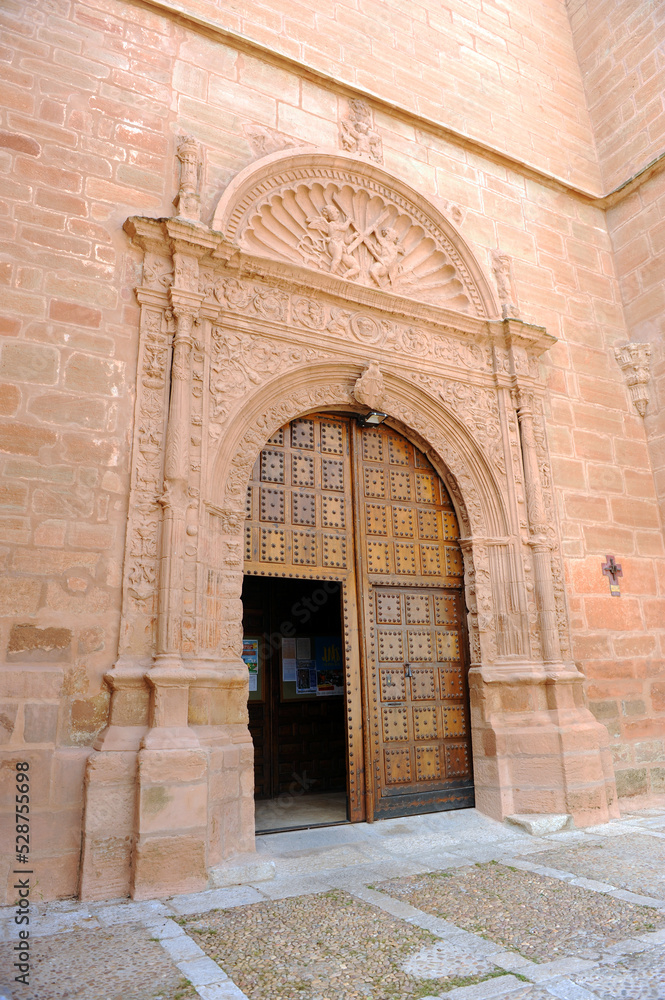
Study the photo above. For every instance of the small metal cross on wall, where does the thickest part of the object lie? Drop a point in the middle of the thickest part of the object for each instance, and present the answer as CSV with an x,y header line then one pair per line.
x,y
612,570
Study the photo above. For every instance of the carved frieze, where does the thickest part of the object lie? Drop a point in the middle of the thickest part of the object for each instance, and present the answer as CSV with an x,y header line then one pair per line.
x,y
480,605
148,461
362,327
157,271
240,361
478,410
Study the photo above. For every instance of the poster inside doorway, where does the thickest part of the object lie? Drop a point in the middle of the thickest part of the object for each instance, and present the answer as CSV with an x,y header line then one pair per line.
x,y
329,666
306,677
250,655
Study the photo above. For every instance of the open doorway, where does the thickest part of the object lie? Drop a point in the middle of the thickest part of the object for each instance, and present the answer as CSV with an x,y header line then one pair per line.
x,y
293,647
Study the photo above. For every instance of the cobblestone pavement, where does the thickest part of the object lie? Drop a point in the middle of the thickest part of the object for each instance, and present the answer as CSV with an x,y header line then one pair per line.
x,y
449,905
605,859
537,916
75,965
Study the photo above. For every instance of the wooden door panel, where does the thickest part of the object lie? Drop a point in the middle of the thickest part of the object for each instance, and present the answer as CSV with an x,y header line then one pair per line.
x,y
299,502
299,523
410,568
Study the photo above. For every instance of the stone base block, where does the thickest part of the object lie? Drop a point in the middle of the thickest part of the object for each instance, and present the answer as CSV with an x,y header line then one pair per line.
x,y
172,806
108,825
552,760
167,865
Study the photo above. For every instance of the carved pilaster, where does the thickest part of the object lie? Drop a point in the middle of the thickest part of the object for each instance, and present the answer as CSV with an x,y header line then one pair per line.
x,y
174,500
168,679
538,540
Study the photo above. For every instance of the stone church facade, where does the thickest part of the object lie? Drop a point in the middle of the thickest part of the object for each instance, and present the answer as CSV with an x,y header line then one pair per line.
x,y
368,297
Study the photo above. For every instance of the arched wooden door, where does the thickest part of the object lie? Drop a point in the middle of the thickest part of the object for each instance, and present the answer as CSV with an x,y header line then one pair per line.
x,y
333,500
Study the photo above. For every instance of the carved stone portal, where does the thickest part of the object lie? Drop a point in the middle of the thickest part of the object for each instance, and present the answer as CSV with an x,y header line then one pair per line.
x,y
245,327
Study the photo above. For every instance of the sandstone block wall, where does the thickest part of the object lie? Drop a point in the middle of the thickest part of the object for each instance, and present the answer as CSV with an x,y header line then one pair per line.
x,y
504,73
94,95
620,47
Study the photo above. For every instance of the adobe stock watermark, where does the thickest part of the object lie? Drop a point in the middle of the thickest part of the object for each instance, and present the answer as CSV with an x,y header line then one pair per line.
x,y
300,785
302,611
21,949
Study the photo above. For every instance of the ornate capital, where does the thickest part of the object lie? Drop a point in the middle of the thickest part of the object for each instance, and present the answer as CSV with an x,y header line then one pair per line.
x,y
633,359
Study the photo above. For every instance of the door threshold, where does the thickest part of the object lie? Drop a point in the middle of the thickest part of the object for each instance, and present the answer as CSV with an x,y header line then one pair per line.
x,y
310,826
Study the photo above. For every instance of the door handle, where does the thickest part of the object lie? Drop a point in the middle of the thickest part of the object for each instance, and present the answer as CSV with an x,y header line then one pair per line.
x,y
407,670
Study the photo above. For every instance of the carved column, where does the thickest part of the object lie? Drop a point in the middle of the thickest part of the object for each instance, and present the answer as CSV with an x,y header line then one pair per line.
x,y
168,678
171,845
542,559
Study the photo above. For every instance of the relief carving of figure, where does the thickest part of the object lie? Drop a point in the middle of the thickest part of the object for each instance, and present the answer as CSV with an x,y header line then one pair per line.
x,y
387,255
334,233
357,135
338,241
502,268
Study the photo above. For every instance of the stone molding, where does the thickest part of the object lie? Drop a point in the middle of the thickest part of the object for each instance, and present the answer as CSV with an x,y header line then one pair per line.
x,y
603,201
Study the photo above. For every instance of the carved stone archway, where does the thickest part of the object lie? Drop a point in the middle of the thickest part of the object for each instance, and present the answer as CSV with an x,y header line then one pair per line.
x,y
321,266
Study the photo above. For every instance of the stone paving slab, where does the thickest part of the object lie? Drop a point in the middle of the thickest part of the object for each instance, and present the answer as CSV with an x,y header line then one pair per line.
x,y
326,947
565,990
144,952
445,959
196,902
506,986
